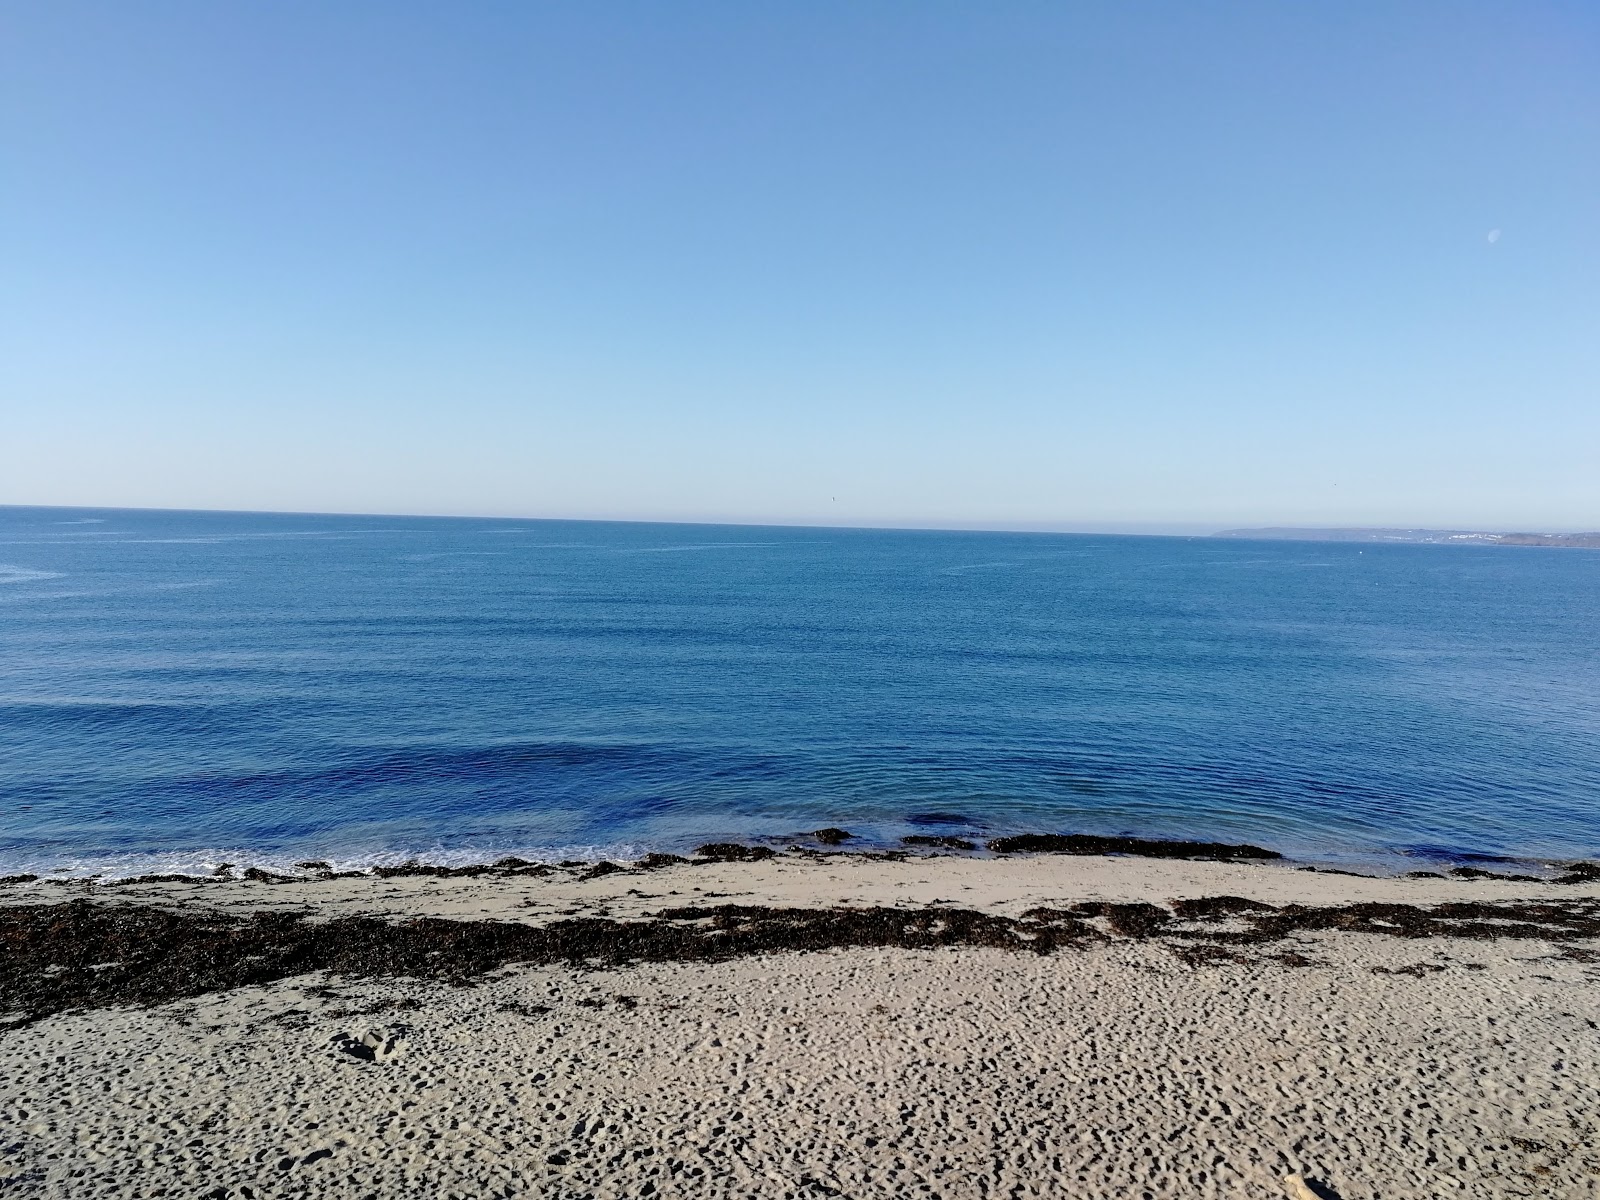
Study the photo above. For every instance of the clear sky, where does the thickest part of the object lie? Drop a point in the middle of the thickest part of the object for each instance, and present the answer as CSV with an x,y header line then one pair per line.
x,y
1004,264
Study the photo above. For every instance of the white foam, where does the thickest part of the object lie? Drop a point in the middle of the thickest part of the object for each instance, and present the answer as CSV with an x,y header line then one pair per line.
x,y
206,862
10,573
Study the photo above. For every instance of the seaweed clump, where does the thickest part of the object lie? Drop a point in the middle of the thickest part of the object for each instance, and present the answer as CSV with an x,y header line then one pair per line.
x,y
833,836
734,852
82,954
656,860
1579,872
1081,843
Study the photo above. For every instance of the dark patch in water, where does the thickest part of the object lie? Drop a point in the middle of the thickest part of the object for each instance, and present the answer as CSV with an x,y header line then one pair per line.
x,y
939,818
832,836
1440,853
1079,843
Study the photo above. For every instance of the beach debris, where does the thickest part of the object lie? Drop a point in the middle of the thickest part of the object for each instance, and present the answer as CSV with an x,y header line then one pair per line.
x,y
832,836
734,852
1204,907
1415,970
1205,954
311,864
601,869
1080,843
166,878
371,1045
504,867
654,861
1300,1187
1579,872
938,842
1293,958
257,875
1478,873
1137,920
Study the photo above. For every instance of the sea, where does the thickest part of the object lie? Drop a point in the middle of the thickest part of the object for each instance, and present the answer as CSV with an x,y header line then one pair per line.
x,y
180,690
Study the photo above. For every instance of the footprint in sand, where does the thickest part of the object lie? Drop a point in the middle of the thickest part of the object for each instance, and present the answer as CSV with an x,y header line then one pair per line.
x,y
370,1045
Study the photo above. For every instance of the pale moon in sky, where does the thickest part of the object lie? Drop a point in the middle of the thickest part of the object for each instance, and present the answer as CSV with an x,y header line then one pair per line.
x,y
1494,236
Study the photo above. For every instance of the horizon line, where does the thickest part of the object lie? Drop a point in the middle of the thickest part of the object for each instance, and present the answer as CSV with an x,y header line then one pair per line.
x,y
1146,528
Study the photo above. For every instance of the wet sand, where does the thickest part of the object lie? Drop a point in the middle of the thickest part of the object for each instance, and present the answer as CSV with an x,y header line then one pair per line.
x,y
806,1026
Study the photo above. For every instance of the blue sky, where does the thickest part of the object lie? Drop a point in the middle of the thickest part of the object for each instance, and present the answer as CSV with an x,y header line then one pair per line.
x,y
1010,265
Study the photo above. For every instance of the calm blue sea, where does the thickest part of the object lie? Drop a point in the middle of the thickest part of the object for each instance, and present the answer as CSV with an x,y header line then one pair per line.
x,y
181,689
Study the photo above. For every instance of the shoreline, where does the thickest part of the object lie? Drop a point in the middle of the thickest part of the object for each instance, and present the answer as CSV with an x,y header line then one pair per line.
x,y
204,866
615,913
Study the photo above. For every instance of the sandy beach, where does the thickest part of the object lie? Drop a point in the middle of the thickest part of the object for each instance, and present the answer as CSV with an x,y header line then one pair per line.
x,y
807,1025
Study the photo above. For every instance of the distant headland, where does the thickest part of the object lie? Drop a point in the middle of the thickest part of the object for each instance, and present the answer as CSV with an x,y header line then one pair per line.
x,y
1443,537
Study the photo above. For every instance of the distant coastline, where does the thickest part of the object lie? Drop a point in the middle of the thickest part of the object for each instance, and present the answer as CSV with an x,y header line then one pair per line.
x,y
1439,537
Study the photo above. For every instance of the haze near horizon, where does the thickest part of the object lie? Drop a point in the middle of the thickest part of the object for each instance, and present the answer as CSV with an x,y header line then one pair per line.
x,y
1003,266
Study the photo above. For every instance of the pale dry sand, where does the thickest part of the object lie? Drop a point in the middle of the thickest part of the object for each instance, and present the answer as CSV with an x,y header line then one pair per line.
x,y
1109,1071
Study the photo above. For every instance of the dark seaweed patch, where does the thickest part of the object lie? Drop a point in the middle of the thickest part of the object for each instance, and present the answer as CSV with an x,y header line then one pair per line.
x,y
734,852
939,842
196,879
832,836
87,955
651,862
1579,872
1080,843
1476,873
429,871
1207,907
1205,954
257,875
1137,920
